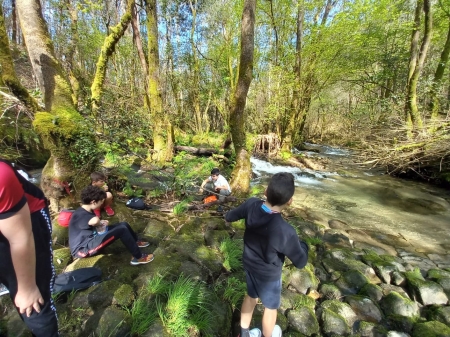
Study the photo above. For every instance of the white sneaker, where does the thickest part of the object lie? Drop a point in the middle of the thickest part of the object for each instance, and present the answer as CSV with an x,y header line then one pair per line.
x,y
276,332
255,332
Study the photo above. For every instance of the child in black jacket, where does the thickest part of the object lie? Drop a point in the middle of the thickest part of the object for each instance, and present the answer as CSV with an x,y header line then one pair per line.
x,y
268,238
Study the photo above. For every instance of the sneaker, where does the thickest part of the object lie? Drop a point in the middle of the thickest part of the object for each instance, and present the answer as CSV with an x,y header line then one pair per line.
x,y
146,258
255,332
97,212
109,211
3,289
220,209
142,244
276,331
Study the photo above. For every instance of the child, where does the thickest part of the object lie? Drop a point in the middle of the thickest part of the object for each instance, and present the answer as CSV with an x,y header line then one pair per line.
x,y
99,179
84,241
268,238
216,183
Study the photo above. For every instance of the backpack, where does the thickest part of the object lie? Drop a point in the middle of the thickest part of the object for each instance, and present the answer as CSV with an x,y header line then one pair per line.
x,y
64,217
209,199
77,279
136,203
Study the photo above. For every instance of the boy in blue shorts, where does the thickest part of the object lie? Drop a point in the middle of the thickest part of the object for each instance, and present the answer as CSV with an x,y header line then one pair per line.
x,y
268,238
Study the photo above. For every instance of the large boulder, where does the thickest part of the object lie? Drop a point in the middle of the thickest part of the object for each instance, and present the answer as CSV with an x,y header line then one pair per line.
x,y
364,308
396,304
303,320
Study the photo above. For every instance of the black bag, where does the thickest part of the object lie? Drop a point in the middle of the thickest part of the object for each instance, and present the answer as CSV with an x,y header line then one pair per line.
x,y
136,203
77,279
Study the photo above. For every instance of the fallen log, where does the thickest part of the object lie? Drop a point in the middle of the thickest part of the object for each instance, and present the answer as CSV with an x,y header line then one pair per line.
x,y
197,151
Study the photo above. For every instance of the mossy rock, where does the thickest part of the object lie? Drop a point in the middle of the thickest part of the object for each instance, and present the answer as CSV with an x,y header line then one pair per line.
x,y
334,324
437,274
342,309
60,234
303,279
437,313
351,282
372,291
427,292
303,320
430,329
395,304
365,308
114,322
123,296
400,323
61,258
330,291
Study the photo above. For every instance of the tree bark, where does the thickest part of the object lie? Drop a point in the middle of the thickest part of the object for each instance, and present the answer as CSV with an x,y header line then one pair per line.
x,y
107,50
242,171
439,75
417,59
163,139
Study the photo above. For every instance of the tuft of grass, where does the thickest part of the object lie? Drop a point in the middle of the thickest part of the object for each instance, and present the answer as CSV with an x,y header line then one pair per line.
x,y
235,291
312,241
232,252
143,315
181,207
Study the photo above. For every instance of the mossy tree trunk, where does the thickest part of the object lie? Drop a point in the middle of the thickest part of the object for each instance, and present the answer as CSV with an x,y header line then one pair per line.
x,y
8,75
416,61
163,141
242,171
60,126
439,75
106,52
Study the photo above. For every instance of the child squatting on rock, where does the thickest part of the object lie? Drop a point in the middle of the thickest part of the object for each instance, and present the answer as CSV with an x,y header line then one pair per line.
x,y
86,240
99,179
268,238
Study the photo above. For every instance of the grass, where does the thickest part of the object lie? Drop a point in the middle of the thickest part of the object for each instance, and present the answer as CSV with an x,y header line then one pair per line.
x,y
312,241
181,207
235,291
232,252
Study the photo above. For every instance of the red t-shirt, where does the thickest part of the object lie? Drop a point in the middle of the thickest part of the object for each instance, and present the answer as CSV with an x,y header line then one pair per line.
x,y
15,191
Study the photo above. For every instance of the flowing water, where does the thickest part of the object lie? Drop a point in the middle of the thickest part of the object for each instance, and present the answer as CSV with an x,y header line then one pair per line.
x,y
369,200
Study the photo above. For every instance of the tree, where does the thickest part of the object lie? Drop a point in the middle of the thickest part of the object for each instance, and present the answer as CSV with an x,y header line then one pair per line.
x,y
242,171
61,127
416,61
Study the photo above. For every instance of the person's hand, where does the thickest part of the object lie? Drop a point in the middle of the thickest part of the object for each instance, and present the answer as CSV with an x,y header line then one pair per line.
x,y
104,222
217,189
27,300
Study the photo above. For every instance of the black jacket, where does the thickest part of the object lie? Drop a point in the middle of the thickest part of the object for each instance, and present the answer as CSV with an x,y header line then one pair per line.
x,y
268,238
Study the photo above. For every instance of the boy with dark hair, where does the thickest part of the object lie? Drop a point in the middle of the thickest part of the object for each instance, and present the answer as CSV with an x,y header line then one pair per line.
x,y
26,251
85,240
268,238
216,183
99,179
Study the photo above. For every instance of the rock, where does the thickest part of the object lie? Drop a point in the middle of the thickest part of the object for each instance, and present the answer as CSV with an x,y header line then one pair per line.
x,y
426,292
334,324
330,292
388,288
303,320
430,329
374,292
384,272
398,279
396,334
213,238
114,322
123,296
437,313
351,282
291,300
364,308
303,279
342,309
367,329
395,304
442,261
338,224
400,323
335,239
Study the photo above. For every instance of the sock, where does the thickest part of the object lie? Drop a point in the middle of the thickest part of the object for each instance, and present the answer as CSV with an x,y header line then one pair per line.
x,y
244,332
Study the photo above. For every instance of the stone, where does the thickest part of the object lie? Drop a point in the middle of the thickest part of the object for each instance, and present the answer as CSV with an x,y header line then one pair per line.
x,y
398,279
387,288
334,324
374,292
430,329
364,308
303,280
342,309
351,282
114,322
396,334
384,272
335,239
426,292
330,292
395,304
303,320
437,313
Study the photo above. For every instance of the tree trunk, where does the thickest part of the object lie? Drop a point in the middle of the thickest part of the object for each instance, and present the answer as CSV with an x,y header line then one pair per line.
x,y
162,129
439,75
417,59
14,21
8,75
242,171
107,50
61,126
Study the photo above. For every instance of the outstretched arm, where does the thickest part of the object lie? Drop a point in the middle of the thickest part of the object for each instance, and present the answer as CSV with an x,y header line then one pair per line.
x,y
17,230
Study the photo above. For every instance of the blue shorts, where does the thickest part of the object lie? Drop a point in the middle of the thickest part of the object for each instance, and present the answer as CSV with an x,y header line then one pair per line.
x,y
269,292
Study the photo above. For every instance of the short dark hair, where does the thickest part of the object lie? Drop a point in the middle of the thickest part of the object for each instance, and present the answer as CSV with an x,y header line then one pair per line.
x,y
92,193
281,189
96,176
215,171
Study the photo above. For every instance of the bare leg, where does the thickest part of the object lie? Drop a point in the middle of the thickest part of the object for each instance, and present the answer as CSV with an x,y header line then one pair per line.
x,y
268,321
109,199
247,311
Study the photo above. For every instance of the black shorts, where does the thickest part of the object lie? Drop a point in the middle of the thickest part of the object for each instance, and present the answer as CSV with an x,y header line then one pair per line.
x,y
268,291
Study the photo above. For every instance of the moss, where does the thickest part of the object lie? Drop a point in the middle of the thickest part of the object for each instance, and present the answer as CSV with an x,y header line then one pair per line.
x,y
431,329
124,296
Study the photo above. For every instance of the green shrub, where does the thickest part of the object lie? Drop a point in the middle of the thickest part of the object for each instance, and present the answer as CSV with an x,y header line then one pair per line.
x,y
232,252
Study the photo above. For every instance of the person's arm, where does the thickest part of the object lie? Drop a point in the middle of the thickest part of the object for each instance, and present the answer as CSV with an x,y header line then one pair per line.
x,y
237,213
17,230
95,221
223,185
297,251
